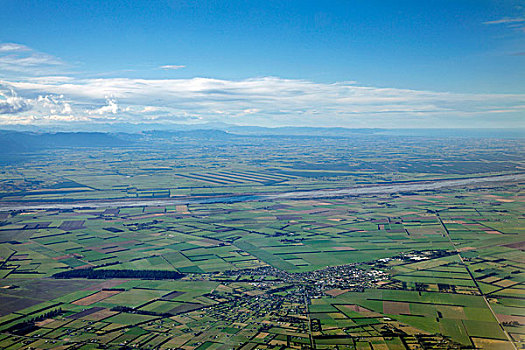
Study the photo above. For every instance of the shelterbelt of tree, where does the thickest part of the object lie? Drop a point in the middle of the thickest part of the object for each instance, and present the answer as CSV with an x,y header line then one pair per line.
x,y
413,186
91,273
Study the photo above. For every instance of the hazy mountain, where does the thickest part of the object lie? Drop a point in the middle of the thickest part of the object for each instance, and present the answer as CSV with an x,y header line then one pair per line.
x,y
14,142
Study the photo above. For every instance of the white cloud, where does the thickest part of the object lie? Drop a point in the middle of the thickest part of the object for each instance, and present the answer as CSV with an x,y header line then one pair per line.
x,y
52,79
44,93
52,104
111,107
172,67
259,101
16,58
512,23
150,109
506,21
10,103
251,111
13,47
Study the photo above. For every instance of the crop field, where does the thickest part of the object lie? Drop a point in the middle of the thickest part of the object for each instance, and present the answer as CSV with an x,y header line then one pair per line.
x,y
199,249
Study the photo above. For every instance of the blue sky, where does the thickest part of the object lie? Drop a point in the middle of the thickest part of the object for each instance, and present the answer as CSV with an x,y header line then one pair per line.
x,y
327,63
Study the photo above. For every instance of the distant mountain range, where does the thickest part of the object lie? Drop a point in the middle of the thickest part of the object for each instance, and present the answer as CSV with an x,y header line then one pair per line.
x,y
12,141
16,142
196,129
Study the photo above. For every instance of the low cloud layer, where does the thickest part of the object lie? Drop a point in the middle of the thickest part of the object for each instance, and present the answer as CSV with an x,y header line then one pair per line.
x,y
40,97
262,101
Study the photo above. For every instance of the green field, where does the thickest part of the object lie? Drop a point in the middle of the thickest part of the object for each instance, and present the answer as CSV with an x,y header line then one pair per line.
x,y
392,270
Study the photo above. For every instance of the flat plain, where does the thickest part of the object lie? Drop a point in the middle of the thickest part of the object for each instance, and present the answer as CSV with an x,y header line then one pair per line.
x,y
238,242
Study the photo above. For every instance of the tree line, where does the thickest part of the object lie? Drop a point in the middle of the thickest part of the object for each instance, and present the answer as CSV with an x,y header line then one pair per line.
x,y
91,273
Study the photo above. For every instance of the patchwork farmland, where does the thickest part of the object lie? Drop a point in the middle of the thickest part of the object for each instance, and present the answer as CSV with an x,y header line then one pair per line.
x,y
199,252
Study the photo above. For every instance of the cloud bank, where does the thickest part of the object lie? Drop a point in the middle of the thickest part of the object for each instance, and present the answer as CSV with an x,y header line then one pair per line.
x,y
42,98
265,100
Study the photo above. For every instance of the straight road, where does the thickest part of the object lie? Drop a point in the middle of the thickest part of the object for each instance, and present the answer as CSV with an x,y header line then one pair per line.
x,y
509,338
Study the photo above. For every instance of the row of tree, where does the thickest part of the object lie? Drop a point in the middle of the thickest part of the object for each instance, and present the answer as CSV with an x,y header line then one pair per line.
x,y
29,326
91,273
